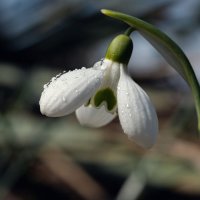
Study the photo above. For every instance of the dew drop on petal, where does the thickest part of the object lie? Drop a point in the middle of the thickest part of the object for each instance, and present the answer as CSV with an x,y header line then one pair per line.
x,y
53,79
96,65
64,99
98,80
58,75
103,67
102,61
77,91
127,105
45,86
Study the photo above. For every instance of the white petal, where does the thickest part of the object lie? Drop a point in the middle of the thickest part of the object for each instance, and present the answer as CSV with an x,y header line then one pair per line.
x,y
66,93
111,73
109,84
136,112
94,117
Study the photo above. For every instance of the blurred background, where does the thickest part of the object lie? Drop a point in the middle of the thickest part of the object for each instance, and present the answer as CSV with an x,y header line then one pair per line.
x,y
45,158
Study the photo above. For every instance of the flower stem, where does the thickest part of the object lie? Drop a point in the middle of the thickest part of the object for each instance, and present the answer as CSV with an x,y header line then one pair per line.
x,y
129,31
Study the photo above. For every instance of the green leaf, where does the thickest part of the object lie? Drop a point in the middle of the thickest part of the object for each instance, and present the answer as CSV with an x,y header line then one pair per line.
x,y
167,48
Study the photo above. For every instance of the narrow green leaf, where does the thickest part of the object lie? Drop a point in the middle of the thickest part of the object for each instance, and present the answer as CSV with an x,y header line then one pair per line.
x,y
167,48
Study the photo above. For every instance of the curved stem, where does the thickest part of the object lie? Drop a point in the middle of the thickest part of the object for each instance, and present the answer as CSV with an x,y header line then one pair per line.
x,y
129,31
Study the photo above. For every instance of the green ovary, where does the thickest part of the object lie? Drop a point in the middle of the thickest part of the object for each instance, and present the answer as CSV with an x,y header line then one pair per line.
x,y
105,95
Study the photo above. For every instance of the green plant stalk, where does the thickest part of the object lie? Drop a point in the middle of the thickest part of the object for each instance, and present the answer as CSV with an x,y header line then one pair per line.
x,y
166,47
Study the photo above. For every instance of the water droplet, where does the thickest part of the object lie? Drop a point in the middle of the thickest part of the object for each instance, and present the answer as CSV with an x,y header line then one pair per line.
x,y
118,87
83,68
102,61
127,105
53,79
103,67
45,86
64,99
98,79
127,93
58,75
77,91
96,65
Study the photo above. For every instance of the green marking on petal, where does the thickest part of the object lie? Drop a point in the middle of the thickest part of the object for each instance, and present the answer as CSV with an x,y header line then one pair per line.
x,y
105,95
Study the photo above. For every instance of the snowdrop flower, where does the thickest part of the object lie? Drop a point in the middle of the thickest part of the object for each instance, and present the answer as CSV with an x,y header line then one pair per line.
x,y
99,93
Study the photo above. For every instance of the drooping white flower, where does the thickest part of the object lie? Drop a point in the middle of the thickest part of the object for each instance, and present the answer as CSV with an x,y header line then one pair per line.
x,y
97,94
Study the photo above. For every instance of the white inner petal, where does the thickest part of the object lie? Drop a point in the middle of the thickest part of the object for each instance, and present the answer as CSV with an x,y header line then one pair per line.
x,y
110,78
111,75
94,117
